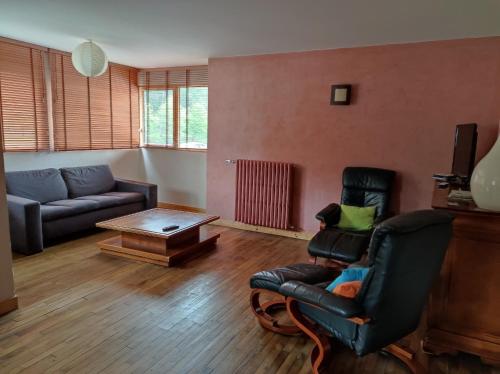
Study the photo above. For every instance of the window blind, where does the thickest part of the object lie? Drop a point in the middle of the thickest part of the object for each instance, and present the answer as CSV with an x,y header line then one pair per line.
x,y
175,106
94,113
23,109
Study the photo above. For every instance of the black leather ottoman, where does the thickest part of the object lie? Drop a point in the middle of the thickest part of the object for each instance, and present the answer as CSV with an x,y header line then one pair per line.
x,y
270,281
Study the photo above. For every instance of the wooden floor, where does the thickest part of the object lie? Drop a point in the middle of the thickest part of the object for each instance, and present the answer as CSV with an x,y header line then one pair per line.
x,y
85,312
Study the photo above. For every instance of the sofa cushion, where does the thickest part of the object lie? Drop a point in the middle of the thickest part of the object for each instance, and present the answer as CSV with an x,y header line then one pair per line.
x,y
68,225
50,212
88,180
65,208
111,199
40,185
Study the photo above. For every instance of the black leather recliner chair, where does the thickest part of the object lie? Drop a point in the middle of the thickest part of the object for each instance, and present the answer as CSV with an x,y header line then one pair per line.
x,y
362,186
405,256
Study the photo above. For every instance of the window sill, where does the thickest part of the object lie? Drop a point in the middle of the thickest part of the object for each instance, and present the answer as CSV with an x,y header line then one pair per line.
x,y
202,150
68,150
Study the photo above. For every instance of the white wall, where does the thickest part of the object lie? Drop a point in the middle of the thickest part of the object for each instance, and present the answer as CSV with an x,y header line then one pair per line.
x,y
126,163
180,175
6,279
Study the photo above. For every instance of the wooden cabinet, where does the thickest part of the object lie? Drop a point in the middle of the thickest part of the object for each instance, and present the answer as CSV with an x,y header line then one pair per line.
x,y
464,308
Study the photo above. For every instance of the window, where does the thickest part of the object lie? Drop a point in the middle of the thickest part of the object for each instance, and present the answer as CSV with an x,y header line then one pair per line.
x,y
94,113
87,113
102,112
175,107
159,117
23,108
193,117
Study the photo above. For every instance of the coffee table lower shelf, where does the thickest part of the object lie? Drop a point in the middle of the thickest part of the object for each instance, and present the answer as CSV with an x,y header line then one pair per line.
x,y
170,257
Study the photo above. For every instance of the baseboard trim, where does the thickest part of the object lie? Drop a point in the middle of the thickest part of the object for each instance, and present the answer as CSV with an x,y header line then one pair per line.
x,y
7,306
184,208
303,235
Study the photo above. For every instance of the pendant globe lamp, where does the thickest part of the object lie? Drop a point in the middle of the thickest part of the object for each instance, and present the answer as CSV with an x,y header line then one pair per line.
x,y
89,59
485,181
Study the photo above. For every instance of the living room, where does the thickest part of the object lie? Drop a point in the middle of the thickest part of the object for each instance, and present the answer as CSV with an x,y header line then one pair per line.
x,y
163,163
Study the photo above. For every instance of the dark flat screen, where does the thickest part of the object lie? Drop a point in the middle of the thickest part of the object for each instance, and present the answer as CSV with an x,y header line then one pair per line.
x,y
464,153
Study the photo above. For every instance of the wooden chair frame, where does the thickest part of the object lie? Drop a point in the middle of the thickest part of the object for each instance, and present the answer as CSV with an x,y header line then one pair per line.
x,y
264,313
321,355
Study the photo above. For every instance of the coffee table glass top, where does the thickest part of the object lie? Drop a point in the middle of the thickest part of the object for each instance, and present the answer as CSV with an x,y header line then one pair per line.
x,y
151,222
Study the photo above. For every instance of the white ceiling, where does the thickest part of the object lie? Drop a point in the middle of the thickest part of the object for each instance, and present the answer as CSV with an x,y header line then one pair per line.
x,y
152,33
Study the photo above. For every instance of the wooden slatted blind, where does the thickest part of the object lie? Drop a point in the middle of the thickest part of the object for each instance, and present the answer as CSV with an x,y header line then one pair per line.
x,y
181,121
94,113
23,109
101,131
125,103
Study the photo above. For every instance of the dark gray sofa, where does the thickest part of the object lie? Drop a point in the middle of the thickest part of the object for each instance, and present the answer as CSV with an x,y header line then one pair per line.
x,y
50,203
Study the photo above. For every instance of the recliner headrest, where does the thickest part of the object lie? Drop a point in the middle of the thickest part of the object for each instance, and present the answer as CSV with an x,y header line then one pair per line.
x,y
406,223
414,221
368,178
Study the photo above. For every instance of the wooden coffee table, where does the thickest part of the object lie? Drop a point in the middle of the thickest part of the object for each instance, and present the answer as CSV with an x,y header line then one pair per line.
x,y
141,236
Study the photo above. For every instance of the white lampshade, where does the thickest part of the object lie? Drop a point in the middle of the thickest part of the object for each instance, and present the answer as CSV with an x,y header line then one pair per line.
x,y
89,59
485,181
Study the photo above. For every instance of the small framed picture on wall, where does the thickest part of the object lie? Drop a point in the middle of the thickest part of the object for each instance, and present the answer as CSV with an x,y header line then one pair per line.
x,y
341,94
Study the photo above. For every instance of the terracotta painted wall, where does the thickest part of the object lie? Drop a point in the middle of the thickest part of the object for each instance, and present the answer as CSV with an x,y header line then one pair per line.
x,y
407,101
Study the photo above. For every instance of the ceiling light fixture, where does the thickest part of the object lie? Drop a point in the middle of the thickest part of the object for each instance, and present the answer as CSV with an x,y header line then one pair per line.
x,y
89,59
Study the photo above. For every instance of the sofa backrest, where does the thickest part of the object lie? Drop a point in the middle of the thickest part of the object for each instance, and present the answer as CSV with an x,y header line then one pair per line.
x,y
88,180
40,185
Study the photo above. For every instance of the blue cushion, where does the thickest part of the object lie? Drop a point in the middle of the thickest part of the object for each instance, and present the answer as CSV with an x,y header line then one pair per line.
x,y
40,185
88,180
348,275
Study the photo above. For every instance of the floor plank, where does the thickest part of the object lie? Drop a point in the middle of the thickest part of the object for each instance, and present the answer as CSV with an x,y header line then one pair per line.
x,y
85,312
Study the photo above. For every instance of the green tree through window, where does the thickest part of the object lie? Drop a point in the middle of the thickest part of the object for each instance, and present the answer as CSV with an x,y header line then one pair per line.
x,y
159,117
193,121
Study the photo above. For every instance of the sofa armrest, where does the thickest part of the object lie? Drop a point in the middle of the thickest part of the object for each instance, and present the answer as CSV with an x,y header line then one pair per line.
x,y
319,297
150,191
329,215
25,222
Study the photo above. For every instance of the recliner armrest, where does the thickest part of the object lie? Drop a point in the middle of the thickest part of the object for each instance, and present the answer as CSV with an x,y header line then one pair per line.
x,y
150,191
25,223
316,296
329,215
